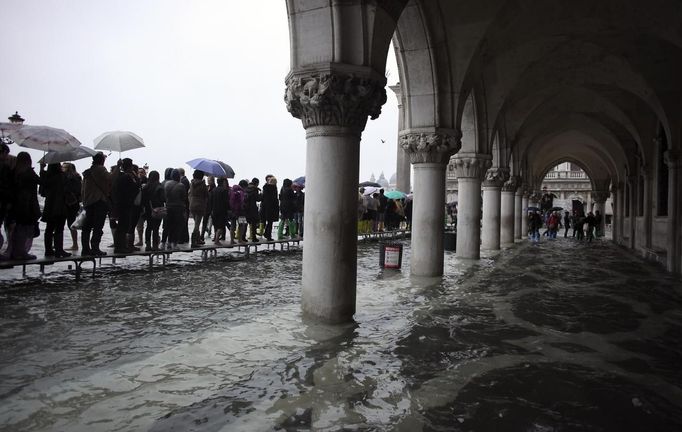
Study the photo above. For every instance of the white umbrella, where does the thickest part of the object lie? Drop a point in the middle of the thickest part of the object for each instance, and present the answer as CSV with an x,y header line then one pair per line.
x,y
118,141
44,138
73,154
6,130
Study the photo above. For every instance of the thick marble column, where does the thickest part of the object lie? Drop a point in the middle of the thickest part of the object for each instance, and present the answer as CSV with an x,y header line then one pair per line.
x,y
518,212
524,214
616,218
429,153
492,187
333,107
600,198
507,218
470,169
674,259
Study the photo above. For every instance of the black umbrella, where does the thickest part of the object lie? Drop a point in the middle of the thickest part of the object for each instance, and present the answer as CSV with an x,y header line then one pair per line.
x,y
369,183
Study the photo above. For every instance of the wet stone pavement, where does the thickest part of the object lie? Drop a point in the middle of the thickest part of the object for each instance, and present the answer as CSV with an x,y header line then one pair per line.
x,y
563,336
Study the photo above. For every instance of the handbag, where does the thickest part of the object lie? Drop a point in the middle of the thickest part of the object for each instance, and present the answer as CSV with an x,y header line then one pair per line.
x,y
159,212
79,221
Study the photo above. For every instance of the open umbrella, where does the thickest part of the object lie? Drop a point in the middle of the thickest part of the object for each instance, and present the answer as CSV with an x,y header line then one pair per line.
x,y
118,141
557,208
369,183
394,195
75,153
533,209
369,190
6,130
44,138
300,181
212,167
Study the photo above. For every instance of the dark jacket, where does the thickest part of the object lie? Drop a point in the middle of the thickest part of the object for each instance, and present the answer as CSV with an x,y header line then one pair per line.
x,y
287,202
299,197
253,196
125,191
152,196
53,189
219,201
270,204
72,188
198,197
25,208
176,194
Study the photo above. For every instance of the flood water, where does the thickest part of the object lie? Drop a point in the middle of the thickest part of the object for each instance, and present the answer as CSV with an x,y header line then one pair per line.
x,y
560,337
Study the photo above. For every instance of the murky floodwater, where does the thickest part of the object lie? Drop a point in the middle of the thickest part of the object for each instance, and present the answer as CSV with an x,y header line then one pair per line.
x,y
559,337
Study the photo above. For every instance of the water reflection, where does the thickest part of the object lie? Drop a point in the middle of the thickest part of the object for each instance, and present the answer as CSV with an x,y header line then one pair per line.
x,y
505,343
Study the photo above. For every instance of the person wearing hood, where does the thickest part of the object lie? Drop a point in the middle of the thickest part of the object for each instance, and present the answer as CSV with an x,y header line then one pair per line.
x,y
253,197
125,193
55,211
176,198
198,203
269,206
287,208
165,231
96,192
219,202
237,207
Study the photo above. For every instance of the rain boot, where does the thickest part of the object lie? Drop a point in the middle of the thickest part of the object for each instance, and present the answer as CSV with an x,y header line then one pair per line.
x,y
49,249
59,251
195,241
280,229
85,243
216,239
292,229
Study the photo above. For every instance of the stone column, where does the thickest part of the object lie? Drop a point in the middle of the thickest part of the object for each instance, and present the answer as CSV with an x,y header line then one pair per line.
x,y
621,211
429,152
524,214
402,158
333,107
674,246
518,212
633,187
616,218
600,198
470,169
492,186
507,218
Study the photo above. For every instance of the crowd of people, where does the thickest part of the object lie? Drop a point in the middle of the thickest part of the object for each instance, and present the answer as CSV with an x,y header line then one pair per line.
x,y
157,210
378,213
585,227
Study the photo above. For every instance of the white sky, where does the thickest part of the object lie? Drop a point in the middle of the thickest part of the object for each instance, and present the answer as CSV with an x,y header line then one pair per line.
x,y
194,78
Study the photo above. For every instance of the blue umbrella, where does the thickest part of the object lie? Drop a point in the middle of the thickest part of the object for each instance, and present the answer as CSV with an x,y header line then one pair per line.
x,y
300,181
212,167
394,195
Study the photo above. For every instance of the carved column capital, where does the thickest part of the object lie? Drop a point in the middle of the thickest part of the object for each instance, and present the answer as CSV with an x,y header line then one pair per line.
x,y
495,177
672,159
512,184
430,147
471,165
600,196
334,99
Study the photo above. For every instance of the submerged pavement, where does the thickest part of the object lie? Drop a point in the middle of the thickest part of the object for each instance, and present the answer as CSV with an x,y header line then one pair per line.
x,y
563,336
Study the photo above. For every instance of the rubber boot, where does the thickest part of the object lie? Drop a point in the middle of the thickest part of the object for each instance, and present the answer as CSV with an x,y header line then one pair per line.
x,y
216,239
130,238
292,229
195,240
85,243
49,249
59,251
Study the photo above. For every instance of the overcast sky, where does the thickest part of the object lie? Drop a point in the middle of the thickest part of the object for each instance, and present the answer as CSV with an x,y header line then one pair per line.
x,y
199,78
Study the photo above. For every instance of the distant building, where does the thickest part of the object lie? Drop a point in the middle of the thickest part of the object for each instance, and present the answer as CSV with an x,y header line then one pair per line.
x,y
382,181
570,183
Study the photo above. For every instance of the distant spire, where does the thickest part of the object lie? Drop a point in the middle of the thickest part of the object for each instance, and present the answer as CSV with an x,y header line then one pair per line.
x,y
371,178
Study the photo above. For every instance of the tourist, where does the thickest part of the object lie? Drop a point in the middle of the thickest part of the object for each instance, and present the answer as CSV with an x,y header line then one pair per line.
x,y
253,197
124,195
96,202
580,222
237,207
299,209
136,212
198,203
176,207
374,210
72,186
55,210
381,210
567,223
25,210
370,213
591,221
408,214
362,209
598,232
219,202
7,164
207,226
287,208
166,230
142,177
153,199
534,225
269,206
574,222
184,232
552,224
